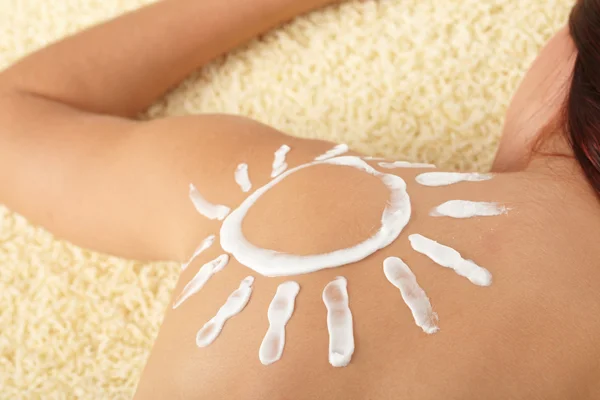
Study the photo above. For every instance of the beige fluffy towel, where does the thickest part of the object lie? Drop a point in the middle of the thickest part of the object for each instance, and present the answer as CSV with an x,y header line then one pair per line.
x,y
425,80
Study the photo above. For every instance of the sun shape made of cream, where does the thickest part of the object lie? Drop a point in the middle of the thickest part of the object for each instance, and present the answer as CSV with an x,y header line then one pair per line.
x,y
270,263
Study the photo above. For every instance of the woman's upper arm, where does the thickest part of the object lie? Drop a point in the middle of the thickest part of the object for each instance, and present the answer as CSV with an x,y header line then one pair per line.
x,y
121,186
51,155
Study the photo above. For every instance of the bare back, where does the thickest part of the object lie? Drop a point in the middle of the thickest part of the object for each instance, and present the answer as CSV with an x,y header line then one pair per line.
x,y
530,334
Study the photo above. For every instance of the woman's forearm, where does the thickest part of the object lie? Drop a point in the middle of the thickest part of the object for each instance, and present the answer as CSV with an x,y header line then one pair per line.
x,y
120,67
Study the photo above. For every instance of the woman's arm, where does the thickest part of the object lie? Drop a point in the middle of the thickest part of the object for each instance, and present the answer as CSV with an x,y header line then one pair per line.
x,y
122,66
72,161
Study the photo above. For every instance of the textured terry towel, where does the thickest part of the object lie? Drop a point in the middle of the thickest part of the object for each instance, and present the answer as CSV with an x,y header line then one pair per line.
x,y
425,80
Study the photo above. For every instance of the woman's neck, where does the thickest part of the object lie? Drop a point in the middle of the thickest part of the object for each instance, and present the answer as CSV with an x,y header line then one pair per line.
x,y
557,180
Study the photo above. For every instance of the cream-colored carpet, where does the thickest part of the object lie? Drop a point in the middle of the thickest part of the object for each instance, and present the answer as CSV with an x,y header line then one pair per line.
x,y
424,80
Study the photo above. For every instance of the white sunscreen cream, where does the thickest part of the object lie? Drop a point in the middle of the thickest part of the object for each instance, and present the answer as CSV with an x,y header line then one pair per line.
x,y
242,178
404,164
467,209
234,305
371,158
400,275
202,276
206,243
450,258
336,151
272,263
204,207
279,164
280,312
449,178
339,322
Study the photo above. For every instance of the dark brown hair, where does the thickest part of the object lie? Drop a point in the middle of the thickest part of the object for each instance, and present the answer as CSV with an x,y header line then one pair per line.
x,y
582,108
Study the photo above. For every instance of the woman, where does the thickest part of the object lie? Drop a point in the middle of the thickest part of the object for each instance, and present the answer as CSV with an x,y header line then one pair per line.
x,y
520,321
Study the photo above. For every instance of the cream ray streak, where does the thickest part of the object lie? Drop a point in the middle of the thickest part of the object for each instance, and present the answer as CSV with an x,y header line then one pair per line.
x,y
371,158
206,243
450,258
280,312
242,178
235,303
279,164
467,209
206,208
202,276
400,275
336,151
404,164
449,178
339,322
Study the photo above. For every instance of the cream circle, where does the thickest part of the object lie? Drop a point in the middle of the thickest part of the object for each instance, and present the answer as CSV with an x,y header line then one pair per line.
x,y
272,263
